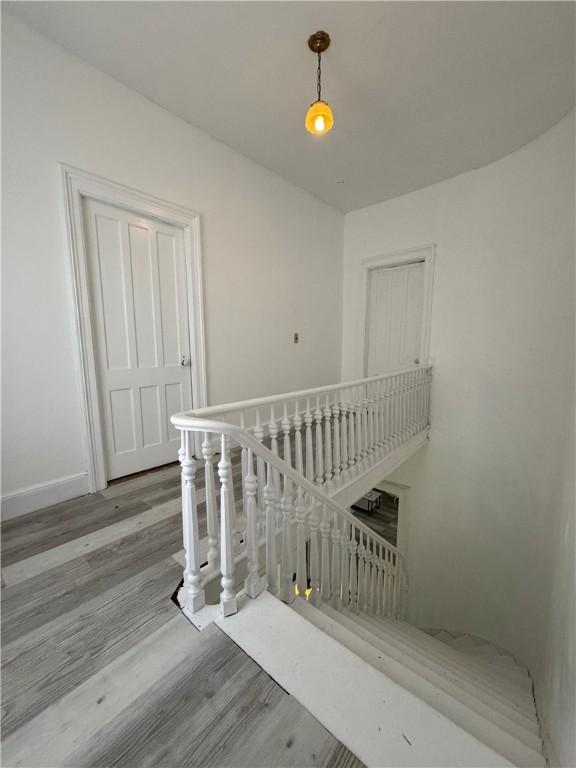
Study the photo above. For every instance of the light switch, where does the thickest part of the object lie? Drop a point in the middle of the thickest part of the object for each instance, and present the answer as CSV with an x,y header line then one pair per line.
x,y
296,337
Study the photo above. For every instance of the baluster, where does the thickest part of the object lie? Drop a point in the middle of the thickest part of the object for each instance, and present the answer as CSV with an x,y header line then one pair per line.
x,y
286,566
335,577
301,574
387,418
370,422
353,590
379,583
376,415
361,578
271,556
228,602
351,436
404,400
364,423
309,446
261,475
287,448
409,402
367,575
345,559
416,407
325,590
400,430
395,411
392,587
253,581
415,392
384,606
211,505
319,450
336,456
273,432
328,442
297,421
421,390
359,433
381,436
191,596
373,580
314,554
344,438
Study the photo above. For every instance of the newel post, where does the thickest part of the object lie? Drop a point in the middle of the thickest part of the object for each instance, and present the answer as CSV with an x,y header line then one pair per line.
x,y
191,596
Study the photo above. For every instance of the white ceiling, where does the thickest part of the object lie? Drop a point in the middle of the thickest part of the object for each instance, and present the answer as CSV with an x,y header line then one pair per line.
x,y
421,91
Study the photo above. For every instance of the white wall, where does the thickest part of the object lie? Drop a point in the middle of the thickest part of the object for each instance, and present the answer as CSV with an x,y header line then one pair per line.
x,y
489,501
272,253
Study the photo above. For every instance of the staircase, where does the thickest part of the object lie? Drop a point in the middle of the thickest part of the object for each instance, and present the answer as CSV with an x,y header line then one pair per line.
x,y
473,683
393,694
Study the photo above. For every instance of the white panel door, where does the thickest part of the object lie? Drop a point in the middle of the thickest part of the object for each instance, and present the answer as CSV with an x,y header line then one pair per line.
x,y
138,287
394,315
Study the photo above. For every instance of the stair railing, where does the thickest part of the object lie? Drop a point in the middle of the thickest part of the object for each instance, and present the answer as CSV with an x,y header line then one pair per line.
x,y
283,531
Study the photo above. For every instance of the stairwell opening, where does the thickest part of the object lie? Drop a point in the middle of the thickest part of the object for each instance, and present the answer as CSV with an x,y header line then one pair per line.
x,y
379,510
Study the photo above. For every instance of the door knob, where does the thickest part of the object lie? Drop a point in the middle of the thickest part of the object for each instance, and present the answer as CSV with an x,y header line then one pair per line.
x,y
184,360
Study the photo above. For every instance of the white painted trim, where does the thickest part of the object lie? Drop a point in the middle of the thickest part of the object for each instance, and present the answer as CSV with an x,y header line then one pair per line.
x,y
425,253
77,186
43,495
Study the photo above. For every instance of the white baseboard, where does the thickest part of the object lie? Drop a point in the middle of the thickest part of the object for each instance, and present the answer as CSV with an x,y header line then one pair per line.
x,y
43,495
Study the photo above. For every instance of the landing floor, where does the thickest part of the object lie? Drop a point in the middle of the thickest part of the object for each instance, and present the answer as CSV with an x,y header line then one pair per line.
x,y
99,667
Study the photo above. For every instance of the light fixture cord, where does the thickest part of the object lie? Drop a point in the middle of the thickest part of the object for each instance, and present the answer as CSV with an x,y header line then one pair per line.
x,y
319,73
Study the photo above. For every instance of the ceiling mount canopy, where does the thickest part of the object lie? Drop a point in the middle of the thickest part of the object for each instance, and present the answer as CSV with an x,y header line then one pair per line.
x,y
319,118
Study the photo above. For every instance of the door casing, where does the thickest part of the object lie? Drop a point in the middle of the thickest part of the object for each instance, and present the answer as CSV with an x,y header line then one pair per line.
x,y
78,185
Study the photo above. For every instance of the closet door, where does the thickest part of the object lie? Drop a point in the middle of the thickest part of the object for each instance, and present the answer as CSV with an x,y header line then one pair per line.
x,y
394,318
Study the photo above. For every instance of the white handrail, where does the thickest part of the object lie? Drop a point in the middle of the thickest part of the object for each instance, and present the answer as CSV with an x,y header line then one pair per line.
x,y
256,402
246,440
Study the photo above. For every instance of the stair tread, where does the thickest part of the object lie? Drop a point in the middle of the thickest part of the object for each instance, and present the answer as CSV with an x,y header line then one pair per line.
x,y
519,707
494,733
512,684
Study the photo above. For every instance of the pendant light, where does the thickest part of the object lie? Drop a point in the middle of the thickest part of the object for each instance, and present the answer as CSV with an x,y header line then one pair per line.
x,y
319,118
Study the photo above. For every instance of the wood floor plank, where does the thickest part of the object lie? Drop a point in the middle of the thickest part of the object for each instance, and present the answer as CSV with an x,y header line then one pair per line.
x,y
50,737
49,662
225,712
32,567
36,601
101,668
41,532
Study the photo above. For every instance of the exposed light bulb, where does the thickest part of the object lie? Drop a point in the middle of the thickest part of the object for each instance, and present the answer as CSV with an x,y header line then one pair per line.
x,y
319,118
319,123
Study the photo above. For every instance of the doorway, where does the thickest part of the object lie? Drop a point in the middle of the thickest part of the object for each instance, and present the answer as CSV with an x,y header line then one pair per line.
x,y
137,279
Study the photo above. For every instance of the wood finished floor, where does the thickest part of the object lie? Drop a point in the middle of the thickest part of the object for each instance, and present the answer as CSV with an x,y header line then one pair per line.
x,y
100,668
